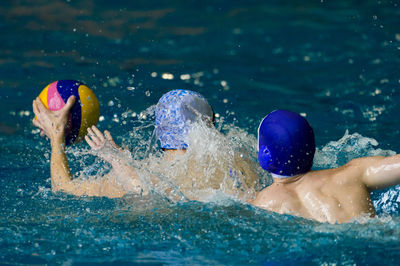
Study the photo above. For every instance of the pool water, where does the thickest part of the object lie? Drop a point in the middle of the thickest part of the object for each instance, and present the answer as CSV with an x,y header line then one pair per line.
x,y
336,62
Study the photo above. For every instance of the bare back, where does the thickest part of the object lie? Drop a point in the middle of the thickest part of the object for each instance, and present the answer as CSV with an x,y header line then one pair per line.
x,y
334,195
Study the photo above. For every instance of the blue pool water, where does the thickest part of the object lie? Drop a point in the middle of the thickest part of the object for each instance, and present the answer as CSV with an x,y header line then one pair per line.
x,y
335,61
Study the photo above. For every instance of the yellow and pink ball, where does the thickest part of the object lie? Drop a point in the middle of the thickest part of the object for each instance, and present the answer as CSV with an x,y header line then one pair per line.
x,y
85,112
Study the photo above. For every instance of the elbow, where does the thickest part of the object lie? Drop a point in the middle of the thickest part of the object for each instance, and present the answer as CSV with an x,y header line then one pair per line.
x,y
58,187
55,187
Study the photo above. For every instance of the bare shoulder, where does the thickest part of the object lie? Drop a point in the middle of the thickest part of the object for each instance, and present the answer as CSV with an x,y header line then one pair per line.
x,y
345,174
272,197
357,167
364,161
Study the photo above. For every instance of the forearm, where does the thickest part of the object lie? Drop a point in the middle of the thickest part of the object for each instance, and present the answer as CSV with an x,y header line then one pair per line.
x,y
120,163
124,170
60,173
121,166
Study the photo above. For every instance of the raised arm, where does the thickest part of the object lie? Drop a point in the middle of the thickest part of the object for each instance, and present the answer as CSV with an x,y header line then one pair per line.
x,y
53,124
379,172
104,147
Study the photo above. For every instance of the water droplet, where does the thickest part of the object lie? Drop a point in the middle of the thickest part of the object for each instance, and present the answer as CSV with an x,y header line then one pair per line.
x,y
168,76
185,76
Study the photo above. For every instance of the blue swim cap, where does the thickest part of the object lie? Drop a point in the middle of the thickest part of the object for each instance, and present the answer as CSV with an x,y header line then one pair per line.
x,y
175,112
286,144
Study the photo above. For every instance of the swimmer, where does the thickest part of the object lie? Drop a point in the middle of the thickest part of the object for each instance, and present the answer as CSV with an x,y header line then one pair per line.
x,y
286,150
53,125
176,113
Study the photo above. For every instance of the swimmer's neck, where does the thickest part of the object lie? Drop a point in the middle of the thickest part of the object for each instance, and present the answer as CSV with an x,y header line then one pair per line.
x,y
170,154
287,180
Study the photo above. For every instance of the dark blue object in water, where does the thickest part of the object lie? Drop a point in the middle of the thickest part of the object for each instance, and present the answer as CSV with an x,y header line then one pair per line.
x,y
286,143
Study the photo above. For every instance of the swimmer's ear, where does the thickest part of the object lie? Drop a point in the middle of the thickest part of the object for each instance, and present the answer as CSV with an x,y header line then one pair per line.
x,y
69,104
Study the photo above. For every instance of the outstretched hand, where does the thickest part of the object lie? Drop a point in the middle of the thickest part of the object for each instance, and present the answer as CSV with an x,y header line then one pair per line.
x,y
102,144
52,123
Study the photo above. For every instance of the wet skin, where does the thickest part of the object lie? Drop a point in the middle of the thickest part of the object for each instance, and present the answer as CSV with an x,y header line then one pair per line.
x,y
53,124
335,195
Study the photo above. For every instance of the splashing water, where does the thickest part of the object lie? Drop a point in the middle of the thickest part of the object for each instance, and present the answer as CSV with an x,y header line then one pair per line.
x,y
215,166
130,53
350,146
219,167
212,167
154,228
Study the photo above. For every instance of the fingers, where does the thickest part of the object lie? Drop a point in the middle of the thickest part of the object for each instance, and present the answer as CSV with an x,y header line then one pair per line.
x,y
39,105
37,120
90,142
110,139
98,133
36,123
97,141
108,135
34,107
70,102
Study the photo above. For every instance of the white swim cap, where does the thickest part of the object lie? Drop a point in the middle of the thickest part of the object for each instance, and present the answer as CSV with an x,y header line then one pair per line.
x,y
175,112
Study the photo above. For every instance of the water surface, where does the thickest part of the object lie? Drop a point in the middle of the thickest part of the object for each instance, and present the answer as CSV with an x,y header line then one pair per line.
x,y
334,61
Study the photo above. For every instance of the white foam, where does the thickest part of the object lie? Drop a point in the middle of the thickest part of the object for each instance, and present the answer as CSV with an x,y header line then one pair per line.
x,y
350,146
216,166
212,164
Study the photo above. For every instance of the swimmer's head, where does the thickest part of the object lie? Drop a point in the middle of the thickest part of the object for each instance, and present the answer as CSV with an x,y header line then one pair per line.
x,y
286,144
175,113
